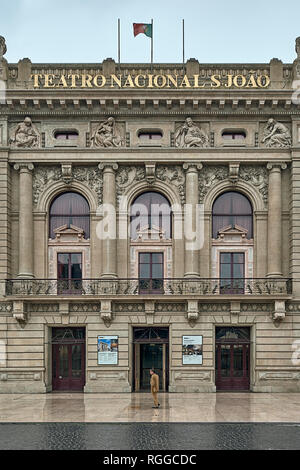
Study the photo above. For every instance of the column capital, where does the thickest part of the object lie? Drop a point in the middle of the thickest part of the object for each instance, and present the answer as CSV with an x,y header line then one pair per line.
x,y
192,166
24,166
108,166
276,165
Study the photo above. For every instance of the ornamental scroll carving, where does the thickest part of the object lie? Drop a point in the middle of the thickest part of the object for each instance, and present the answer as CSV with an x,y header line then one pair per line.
x,y
257,176
174,175
126,176
45,176
209,176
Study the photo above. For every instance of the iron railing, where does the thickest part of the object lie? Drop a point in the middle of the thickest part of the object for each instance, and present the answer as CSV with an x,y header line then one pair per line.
x,y
172,286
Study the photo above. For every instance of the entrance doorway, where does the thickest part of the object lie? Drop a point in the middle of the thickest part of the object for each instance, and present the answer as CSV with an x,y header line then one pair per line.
x,y
232,358
151,351
68,359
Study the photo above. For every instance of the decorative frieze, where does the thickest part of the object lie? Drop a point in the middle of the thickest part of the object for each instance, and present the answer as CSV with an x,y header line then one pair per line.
x,y
171,307
175,176
209,176
126,176
6,307
258,307
213,307
85,307
43,308
47,175
258,177
128,307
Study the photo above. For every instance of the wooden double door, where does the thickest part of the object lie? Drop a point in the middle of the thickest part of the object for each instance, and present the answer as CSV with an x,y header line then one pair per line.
x,y
68,362
233,359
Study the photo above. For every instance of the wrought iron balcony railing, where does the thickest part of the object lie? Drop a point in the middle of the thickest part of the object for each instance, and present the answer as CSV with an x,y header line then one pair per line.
x,y
183,286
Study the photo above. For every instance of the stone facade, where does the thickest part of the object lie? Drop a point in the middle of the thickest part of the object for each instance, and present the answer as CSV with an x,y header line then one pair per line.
x,y
108,163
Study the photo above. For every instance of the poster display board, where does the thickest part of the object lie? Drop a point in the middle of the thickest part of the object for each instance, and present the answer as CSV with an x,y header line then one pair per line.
x,y
192,350
108,348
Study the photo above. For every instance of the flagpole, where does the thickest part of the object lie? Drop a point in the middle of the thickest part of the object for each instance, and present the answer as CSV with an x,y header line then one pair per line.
x,y
119,42
183,43
152,43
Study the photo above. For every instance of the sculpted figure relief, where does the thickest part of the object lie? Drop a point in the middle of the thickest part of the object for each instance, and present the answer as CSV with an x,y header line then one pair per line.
x,y
3,48
190,135
107,135
26,135
276,135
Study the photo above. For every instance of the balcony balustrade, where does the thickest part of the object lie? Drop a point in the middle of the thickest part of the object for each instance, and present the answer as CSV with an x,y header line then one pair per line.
x,y
171,286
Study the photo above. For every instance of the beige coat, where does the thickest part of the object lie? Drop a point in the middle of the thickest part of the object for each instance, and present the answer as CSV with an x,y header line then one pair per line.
x,y
154,382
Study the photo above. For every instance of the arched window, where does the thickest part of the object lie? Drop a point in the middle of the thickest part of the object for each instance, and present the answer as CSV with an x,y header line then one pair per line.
x,y
153,211
72,209
232,208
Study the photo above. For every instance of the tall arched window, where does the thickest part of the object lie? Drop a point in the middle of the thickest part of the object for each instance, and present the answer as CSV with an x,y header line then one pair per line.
x,y
232,208
72,209
151,210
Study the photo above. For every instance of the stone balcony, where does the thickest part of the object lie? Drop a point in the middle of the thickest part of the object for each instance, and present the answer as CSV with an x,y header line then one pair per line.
x,y
262,287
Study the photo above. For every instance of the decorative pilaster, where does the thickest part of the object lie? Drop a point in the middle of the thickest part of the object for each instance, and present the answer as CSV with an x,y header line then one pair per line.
x,y
25,220
109,241
191,255
275,220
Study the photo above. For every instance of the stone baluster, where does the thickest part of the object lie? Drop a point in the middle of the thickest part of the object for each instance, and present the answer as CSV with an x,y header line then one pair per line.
x,y
109,247
275,220
25,220
191,252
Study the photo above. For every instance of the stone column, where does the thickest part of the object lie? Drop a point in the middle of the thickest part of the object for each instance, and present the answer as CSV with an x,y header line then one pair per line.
x,y
275,220
109,242
25,220
191,254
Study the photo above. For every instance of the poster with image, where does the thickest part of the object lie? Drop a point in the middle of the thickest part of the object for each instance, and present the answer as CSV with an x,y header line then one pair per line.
x,y
192,350
108,349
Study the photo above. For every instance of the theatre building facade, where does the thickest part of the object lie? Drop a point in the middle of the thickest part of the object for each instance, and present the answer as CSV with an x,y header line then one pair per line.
x,y
149,218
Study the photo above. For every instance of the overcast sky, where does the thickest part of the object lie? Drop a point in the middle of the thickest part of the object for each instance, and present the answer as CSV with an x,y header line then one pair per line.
x,y
86,30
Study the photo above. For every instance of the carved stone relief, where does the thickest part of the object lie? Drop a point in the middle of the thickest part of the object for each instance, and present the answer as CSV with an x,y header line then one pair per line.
x,y
209,176
45,176
174,175
276,135
107,135
127,175
25,135
189,135
258,177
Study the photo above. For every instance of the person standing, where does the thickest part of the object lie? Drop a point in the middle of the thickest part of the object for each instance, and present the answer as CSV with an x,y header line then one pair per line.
x,y
154,382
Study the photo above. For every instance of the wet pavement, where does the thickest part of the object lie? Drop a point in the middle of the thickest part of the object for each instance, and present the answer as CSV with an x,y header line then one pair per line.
x,y
149,436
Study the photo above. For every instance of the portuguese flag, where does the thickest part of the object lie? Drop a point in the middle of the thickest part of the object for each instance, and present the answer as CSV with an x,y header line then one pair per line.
x,y
145,28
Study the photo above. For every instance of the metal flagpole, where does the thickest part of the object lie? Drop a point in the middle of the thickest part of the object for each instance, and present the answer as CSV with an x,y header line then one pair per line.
x,y
151,43
183,43
119,43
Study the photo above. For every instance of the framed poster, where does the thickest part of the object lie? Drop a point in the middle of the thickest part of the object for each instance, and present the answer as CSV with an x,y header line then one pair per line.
x,y
108,348
192,350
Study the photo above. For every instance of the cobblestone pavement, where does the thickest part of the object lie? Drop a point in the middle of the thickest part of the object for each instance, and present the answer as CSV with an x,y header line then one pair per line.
x,y
149,436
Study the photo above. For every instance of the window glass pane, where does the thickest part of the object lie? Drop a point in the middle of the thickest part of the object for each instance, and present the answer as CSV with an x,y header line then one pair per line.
x,y
225,360
232,208
238,257
63,361
225,271
145,257
70,209
238,270
145,271
230,332
76,360
225,257
157,271
153,210
237,360
157,257
63,266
